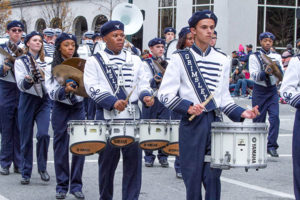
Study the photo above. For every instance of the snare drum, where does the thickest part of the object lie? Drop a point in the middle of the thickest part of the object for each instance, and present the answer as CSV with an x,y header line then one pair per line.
x,y
87,137
122,132
173,147
154,134
239,145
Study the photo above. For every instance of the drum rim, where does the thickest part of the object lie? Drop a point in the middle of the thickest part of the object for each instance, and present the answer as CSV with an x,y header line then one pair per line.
x,y
87,122
120,121
238,125
160,121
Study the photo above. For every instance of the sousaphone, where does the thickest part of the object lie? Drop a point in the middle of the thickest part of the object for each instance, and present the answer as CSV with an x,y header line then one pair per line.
x,y
130,15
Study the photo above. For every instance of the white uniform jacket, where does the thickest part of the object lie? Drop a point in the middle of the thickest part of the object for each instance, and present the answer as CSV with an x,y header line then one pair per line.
x,y
57,92
22,68
8,76
290,87
177,91
257,68
130,73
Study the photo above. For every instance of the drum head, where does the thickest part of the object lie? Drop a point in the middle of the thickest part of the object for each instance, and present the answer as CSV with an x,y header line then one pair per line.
x,y
119,141
171,48
87,148
172,149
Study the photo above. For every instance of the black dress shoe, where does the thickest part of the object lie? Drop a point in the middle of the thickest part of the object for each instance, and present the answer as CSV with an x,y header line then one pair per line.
x,y
273,152
44,175
78,195
149,163
164,163
25,181
17,170
60,195
4,171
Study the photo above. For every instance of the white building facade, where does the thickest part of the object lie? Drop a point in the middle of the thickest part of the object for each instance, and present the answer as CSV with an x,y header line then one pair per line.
x,y
239,21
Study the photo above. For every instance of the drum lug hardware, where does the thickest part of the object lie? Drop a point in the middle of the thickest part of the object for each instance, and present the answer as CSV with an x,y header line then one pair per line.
x,y
84,130
124,128
149,129
100,129
72,130
227,157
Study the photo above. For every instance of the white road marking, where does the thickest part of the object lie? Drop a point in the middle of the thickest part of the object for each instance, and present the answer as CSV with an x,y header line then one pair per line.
x,y
258,188
253,187
3,198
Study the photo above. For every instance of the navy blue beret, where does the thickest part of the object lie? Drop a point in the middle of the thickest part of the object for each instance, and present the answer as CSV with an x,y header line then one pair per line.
x,y
15,23
156,41
266,35
111,26
96,35
30,35
169,29
49,32
204,14
184,31
64,36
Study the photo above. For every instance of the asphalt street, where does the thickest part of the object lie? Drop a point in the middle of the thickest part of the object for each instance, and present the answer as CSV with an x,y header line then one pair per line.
x,y
272,183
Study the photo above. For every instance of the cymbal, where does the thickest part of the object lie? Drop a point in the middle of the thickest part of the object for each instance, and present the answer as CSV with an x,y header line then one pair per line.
x,y
63,72
78,63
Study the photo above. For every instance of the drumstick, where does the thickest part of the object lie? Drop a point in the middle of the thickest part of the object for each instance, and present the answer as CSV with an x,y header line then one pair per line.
x,y
211,96
154,95
127,98
249,107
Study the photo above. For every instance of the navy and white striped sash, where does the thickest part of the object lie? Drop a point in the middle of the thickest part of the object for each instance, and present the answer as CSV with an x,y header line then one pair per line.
x,y
197,80
151,66
111,77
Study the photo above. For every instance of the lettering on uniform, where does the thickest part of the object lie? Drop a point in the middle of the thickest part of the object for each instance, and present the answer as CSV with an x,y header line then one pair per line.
x,y
254,151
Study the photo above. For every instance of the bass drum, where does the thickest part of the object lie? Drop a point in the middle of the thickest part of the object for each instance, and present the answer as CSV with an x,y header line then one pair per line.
x,y
171,48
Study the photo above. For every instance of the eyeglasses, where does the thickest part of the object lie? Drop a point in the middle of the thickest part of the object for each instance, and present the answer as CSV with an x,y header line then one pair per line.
x,y
214,38
16,30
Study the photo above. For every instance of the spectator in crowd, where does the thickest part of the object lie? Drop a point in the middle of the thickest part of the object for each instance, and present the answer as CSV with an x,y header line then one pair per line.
x,y
245,84
289,48
213,39
234,61
235,77
273,50
249,52
241,53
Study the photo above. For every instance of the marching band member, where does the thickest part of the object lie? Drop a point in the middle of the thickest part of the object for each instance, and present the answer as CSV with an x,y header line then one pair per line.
x,y
169,34
191,76
185,40
34,105
49,40
66,107
290,92
265,93
109,76
9,100
158,110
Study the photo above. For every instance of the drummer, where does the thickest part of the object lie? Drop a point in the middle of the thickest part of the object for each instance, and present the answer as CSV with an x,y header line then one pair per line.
x,y
109,91
191,76
158,110
67,106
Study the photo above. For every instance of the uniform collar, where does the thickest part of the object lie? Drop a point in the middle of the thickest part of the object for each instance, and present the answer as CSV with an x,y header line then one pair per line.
x,y
199,51
264,51
110,52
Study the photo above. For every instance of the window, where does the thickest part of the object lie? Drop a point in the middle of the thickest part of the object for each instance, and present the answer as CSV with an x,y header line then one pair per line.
x,y
203,5
279,18
166,15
